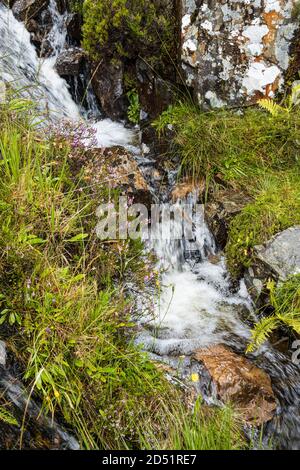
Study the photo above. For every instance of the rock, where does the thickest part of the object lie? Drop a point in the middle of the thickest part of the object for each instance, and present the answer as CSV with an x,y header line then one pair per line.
x,y
71,62
277,259
28,9
239,382
62,6
119,169
281,255
224,204
107,83
183,189
235,52
155,94
73,25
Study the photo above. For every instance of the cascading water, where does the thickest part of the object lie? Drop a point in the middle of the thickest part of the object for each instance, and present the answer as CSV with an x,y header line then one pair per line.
x,y
37,78
197,306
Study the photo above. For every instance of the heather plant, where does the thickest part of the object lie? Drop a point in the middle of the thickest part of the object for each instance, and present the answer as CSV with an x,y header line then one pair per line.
x,y
78,135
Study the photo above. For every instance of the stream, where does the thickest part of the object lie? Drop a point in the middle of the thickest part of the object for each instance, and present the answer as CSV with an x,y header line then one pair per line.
x,y
198,306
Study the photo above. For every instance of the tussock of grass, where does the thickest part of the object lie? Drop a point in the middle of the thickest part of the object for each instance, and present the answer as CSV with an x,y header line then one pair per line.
x,y
64,310
238,146
203,429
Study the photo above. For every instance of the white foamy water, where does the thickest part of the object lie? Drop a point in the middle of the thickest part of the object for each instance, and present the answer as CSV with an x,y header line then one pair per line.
x,y
37,78
196,307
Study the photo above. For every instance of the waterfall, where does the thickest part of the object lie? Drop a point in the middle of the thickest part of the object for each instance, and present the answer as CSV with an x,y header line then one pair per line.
x,y
197,305
37,79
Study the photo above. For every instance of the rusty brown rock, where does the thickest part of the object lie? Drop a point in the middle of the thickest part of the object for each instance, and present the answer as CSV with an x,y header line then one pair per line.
x,y
240,382
186,187
118,169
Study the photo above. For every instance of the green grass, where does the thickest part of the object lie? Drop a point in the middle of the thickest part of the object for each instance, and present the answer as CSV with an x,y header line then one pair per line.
x,y
203,429
237,146
64,310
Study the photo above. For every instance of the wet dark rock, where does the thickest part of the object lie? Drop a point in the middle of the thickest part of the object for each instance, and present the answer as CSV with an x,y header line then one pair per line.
x,y
28,9
236,380
224,205
62,6
40,431
71,62
73,25
155,93
107,83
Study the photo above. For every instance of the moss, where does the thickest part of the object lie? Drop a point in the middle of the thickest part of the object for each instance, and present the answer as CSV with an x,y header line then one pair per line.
x,y
129,29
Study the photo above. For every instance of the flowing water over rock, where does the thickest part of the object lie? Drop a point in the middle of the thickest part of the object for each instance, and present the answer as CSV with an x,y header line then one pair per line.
x,y
37,78
198,306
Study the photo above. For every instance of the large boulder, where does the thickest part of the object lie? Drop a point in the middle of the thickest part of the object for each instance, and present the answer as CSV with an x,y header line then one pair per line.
x,y
281,255
24,10
236,380
234,52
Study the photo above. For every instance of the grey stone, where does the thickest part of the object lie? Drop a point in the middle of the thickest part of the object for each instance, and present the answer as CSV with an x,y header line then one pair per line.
x,y
234,52
281,255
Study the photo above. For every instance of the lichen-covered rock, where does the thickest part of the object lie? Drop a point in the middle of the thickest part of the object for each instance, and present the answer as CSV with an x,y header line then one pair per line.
x,y
281,255
119,170
240,382
234,52
278,259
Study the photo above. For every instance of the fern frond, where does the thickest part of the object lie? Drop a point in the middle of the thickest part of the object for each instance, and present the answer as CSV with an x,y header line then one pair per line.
x,y
269,105
291,320
262,331
7,417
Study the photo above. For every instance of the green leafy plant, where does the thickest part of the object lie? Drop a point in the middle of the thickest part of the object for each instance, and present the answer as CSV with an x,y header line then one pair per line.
x,y
285,299
134,107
